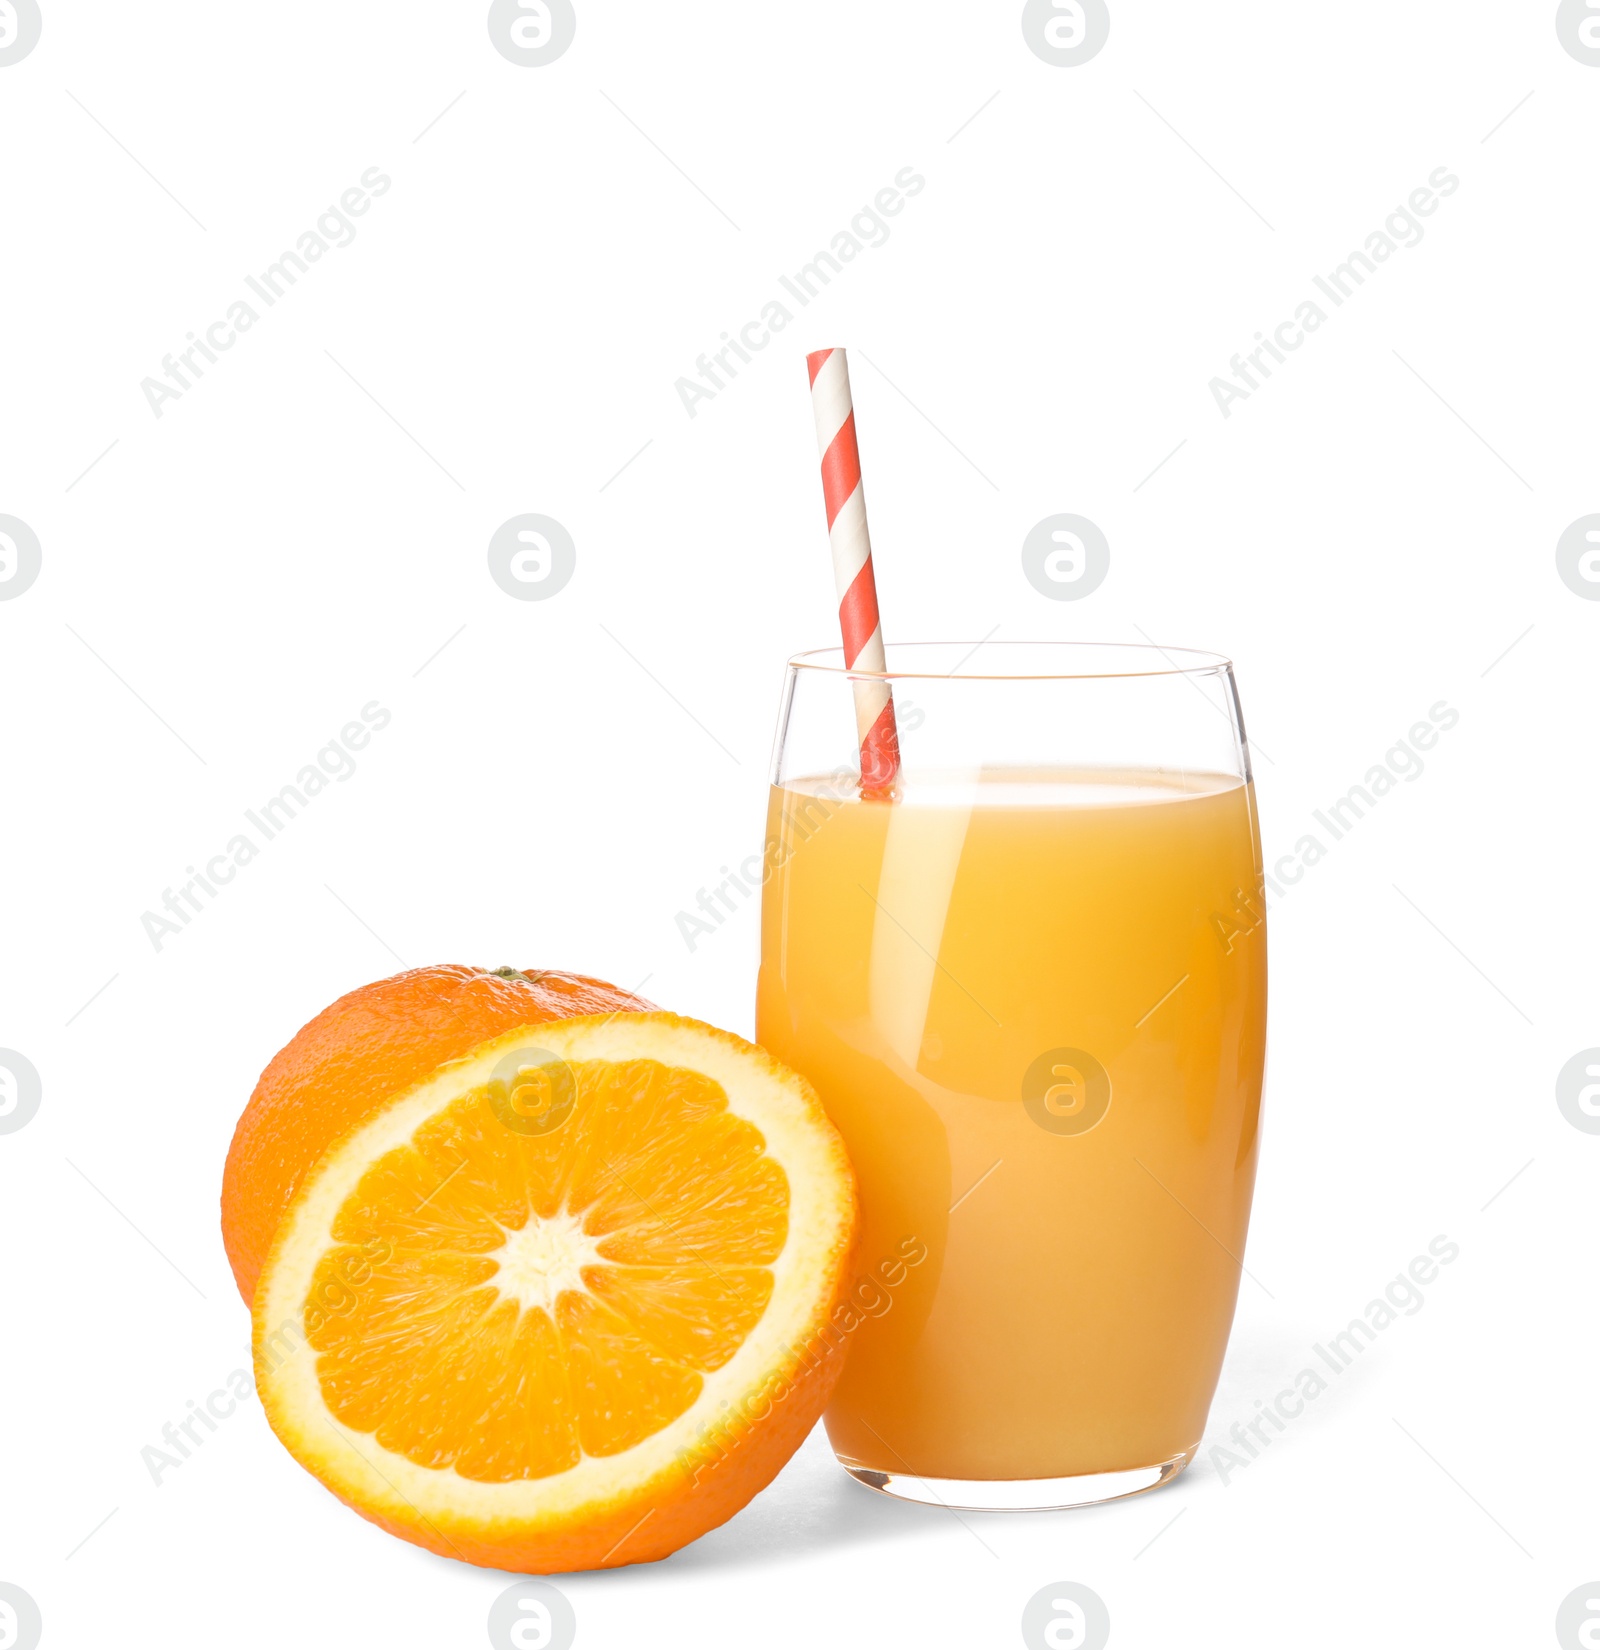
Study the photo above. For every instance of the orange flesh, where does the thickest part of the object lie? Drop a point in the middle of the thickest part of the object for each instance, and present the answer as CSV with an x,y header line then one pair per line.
x,y
680,1212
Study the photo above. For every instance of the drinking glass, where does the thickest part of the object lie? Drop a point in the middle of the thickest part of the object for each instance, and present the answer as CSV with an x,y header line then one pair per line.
x,y
1030,986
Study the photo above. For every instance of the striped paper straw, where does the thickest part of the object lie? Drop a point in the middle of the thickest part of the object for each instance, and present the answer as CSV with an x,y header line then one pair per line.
x,y
852,567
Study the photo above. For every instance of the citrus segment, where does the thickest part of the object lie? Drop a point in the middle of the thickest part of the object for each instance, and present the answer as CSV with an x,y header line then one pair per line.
x,y
561,1279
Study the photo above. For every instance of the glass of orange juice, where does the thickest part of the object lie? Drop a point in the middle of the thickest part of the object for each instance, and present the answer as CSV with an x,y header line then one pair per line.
x,y
1029,984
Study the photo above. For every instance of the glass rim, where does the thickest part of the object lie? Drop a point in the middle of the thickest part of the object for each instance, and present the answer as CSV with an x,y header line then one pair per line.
x,y
830,661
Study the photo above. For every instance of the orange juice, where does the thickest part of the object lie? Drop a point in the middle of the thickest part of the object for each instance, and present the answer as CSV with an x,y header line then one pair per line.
x,y
1033,1006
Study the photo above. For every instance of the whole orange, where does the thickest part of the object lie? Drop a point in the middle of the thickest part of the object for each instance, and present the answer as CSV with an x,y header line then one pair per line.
x,y
358,1053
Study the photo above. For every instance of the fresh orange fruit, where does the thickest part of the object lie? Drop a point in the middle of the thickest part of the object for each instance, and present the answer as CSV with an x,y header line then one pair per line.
x,y
360,1052
567,1302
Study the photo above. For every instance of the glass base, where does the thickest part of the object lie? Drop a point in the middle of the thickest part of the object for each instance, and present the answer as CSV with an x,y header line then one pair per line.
x,y
1020,1494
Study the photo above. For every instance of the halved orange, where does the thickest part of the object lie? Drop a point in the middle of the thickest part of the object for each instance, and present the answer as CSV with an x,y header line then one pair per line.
x,y
567,1302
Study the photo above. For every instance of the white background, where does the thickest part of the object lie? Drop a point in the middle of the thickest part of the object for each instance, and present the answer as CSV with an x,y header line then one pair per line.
x,y
305,529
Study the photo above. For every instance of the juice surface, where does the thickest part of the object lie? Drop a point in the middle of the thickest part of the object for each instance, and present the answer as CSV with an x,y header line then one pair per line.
x,y
1075,937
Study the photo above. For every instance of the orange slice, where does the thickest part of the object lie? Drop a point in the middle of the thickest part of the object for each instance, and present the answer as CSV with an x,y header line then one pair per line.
x,y
566,1303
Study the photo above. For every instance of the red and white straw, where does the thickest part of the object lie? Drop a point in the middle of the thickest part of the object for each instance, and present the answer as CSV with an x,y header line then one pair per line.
x,y
852,566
